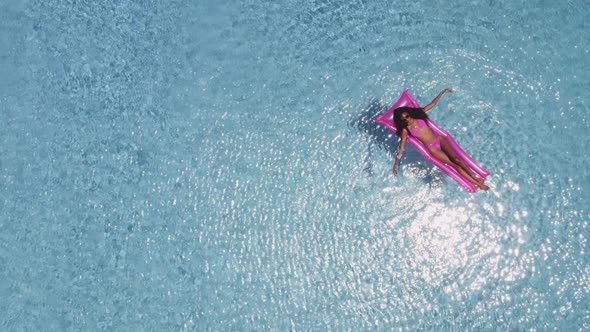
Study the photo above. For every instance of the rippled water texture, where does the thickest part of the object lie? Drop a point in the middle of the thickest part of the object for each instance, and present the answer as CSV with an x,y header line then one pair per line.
x,y
215,165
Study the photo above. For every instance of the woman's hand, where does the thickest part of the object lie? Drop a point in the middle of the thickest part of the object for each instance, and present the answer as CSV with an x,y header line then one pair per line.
x,y
395,169
448,90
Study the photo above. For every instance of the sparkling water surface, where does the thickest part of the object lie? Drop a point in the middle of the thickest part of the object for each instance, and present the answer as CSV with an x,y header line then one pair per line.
x,y
215,166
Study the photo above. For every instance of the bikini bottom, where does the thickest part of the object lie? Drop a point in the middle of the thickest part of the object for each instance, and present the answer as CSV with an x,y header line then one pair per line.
x,y
436,143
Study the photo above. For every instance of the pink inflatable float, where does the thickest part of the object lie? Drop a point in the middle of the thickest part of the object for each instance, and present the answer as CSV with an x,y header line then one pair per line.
x,y
407,100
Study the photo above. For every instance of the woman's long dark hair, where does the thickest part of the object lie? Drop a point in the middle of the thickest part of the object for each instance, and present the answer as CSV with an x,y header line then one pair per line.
x,y
416,113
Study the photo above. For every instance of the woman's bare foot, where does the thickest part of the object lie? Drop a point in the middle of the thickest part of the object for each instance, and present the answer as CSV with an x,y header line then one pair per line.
x,y
482,186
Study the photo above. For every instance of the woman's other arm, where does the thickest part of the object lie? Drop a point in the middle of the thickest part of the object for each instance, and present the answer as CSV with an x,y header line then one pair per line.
x,y
402,147
435,101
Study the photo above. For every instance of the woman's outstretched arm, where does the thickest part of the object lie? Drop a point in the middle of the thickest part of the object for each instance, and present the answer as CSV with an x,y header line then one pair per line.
x,y
431,105
402,147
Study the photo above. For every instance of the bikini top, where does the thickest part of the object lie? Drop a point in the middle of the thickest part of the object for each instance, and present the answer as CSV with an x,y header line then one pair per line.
x,y
416,132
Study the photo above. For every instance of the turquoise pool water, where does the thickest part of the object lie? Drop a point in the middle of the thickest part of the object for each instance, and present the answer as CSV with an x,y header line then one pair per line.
x,y
215,166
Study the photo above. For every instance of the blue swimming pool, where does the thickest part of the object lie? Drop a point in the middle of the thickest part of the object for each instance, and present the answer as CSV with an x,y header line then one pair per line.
x,y
215,166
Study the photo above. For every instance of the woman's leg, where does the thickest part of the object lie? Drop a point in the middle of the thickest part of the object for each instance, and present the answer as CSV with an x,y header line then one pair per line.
x,y
442,156
447,148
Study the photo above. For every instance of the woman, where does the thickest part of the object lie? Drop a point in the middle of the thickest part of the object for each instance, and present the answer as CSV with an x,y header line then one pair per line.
x,y
414,121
